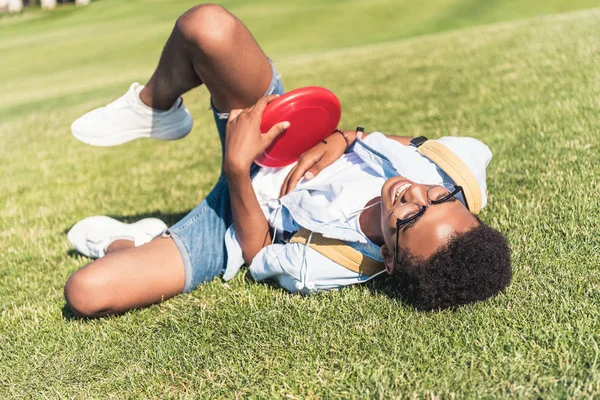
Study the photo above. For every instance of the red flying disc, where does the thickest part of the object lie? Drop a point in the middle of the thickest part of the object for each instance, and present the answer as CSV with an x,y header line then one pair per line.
x,y
313,113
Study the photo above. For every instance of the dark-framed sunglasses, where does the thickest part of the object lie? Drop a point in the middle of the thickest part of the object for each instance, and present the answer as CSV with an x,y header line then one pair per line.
x,y
436,194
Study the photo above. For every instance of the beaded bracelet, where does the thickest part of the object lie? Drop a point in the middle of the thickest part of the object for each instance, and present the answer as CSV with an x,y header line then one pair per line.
x,y
344,135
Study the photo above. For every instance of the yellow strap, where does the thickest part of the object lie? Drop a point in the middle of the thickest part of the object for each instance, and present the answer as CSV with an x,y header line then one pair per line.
x,y
451,164
352,259
339,252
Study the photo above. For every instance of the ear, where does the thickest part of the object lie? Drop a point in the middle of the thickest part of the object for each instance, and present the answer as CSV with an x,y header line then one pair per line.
x,y
388,259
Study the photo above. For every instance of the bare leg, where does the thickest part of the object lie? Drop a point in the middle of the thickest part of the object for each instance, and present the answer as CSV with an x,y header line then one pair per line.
x,y
127,279
210,45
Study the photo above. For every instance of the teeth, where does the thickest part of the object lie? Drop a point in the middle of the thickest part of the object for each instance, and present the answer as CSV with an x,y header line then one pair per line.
x,y
400,190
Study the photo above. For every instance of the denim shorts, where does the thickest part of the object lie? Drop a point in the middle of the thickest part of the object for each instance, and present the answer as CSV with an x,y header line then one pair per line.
x,y
200,235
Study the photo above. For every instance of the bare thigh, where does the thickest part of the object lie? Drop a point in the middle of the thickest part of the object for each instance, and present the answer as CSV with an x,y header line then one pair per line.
x,y
210,46
127,279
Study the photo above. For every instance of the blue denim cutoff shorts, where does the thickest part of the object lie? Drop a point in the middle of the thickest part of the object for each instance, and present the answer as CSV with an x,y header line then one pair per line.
x,y
200,235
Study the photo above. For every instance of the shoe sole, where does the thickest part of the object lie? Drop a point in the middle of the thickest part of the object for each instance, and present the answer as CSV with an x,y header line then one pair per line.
x,y
174,132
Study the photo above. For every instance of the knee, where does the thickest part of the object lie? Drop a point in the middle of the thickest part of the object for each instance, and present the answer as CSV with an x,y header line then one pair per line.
x,y
86,294
207,26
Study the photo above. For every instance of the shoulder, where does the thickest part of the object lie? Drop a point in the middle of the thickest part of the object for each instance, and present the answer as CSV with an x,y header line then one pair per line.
x,y
472,151
475,154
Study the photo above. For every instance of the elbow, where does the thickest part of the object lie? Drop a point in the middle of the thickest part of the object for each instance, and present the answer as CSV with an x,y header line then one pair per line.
x,y
250,253
249,256
250,248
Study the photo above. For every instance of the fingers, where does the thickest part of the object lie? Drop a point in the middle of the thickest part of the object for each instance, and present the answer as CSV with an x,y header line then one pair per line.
x,y
314,170
298,173
294,179
308,175
234,113
276,130
294,176
284,186
260,105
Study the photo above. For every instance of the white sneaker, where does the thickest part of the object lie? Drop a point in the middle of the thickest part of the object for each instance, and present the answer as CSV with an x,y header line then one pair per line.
x,y
92,235
128,118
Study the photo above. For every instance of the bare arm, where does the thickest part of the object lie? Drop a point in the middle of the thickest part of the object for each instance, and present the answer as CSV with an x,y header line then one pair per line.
x,y
324,154
243,143
250,225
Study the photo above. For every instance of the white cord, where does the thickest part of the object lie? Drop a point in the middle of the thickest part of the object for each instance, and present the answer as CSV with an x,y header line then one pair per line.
x,y
304,264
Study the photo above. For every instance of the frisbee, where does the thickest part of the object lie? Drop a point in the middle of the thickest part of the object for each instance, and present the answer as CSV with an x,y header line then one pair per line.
x,y
313,113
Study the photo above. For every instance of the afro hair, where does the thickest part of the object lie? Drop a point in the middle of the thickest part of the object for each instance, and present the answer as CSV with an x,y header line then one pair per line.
x,y
473,266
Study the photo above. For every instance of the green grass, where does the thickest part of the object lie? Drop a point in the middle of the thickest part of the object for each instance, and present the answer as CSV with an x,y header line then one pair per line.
x,y
529,88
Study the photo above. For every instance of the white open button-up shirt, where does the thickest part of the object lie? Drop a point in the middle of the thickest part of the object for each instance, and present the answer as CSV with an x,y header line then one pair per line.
x,y
330,204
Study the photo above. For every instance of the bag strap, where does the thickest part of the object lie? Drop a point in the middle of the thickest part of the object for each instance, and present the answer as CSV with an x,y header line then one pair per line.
x,y
456,169
352,259
339,252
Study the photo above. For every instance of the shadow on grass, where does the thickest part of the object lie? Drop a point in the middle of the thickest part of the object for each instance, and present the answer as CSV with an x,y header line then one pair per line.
x,y
270,283
68,314
380,286
386,287
377,286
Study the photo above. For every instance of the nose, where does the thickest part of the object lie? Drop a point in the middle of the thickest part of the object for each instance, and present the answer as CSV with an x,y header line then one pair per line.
x,y
417,194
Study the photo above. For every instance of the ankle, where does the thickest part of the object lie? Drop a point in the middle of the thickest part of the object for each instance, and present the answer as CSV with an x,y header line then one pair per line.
x,y
118,245
147,97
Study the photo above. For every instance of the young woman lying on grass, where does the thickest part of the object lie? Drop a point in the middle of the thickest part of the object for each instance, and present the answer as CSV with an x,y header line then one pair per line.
x,y
362,191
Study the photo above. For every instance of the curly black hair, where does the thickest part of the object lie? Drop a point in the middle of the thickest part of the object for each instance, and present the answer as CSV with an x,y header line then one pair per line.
x,y
473,266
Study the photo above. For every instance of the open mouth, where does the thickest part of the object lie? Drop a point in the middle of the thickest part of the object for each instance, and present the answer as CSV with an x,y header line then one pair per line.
x,y
398,189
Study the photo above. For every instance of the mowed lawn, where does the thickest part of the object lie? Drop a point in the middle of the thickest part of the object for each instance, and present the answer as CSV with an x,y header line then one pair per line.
x,y
522,77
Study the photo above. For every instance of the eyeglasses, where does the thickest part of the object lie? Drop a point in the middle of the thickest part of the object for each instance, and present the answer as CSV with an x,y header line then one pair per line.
x,y
436,194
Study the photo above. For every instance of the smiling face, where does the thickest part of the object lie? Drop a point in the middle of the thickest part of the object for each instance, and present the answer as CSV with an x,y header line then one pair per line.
x,y
426,234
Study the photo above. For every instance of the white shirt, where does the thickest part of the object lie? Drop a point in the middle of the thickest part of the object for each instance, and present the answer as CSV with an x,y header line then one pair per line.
x,y
329,204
